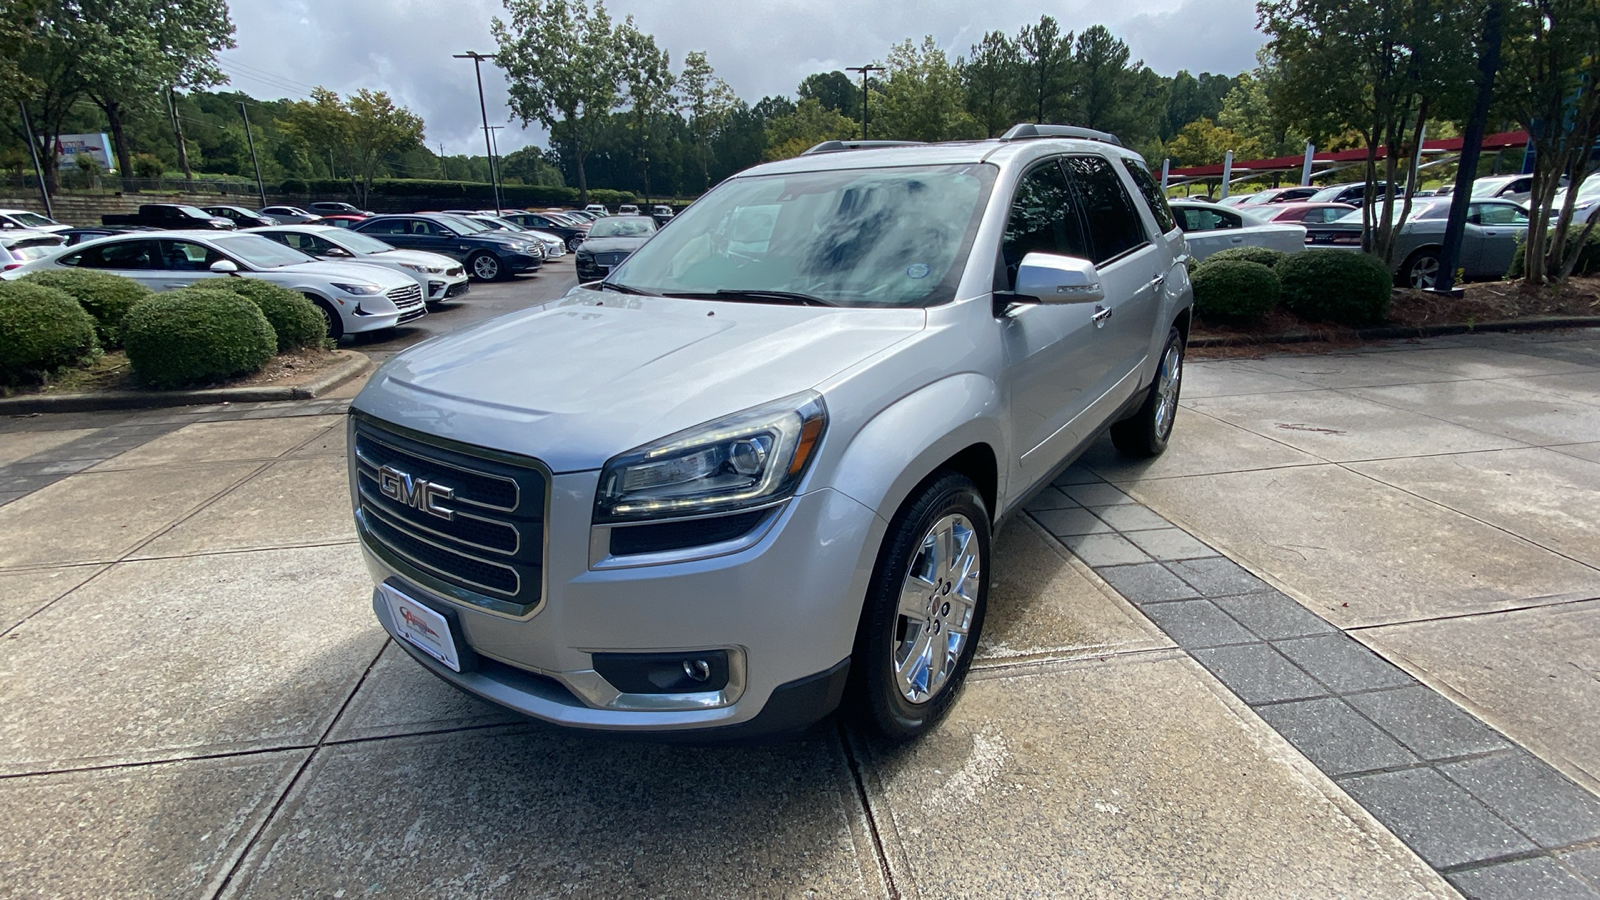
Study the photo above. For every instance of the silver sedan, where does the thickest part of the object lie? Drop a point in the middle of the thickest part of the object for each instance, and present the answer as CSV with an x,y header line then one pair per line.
x,y
1209,227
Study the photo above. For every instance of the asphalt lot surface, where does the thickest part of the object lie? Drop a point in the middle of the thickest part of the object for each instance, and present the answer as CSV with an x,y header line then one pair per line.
x,y
1342,640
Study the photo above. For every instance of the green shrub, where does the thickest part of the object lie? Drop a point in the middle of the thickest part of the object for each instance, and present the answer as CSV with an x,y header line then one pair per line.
x,y
1265,256
1588,258
1343,286
192,335
1234,290
41,330
295,320
105,296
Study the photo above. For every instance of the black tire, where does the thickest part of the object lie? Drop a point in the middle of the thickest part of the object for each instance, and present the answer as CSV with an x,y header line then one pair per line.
x,y
1421,270
1145,433
573,243
875,694
335,321
485,266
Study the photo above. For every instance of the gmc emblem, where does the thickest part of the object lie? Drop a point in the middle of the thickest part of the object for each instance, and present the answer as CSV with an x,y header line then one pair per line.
x,y
416,493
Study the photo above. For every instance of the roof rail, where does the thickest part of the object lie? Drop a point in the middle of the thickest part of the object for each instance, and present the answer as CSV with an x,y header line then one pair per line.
x,y
836,146
1028,130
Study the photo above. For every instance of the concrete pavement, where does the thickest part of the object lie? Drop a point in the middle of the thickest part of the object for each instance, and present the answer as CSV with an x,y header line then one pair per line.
x,y
196,701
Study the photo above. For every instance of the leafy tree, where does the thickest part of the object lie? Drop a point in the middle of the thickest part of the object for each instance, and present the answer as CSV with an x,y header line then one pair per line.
x,y
563,62
1190,99
707,100
1047,69
19,20
923,99
1248,109
810,124
649,90
1204,143
358,132
993,77
1111,94
833,90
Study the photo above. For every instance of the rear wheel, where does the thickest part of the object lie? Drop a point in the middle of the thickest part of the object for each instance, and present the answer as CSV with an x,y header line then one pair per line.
x,y
1145,433
924,610
1422,269
484,267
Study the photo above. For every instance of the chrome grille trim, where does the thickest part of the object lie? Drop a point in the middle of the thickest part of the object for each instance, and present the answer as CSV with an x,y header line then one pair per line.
x,y
439,462
433,536
402,297
404,528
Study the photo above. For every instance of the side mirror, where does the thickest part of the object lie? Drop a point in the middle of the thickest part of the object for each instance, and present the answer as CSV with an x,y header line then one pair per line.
x,y
339,252
1048,278
225,267
447,234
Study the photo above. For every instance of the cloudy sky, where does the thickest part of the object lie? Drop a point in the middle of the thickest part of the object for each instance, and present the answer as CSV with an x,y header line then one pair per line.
x,y
759,46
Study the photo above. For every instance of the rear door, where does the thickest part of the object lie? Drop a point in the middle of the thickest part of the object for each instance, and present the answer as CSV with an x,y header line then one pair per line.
x,y
1492,229
134,259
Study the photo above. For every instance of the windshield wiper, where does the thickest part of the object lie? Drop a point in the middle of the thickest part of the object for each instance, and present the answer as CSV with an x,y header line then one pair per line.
x,y
623,289
790,297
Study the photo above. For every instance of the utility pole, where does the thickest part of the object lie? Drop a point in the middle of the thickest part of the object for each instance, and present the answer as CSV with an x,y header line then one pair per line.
x,y
488,145
177,137
494,164
33,150
251,138
864,70
1471,146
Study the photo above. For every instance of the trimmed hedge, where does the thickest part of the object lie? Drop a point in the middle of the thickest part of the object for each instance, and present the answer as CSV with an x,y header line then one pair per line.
x,y
295,320
458,191
1343,286
191,336
1588,258
1234,290
1265,256
41,330
105,296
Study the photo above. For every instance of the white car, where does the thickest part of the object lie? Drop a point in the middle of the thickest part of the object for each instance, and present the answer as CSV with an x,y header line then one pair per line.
x,y
439,276
554,246
16,219
353,296
1587,203
1209,227
289,215
598,209
20,245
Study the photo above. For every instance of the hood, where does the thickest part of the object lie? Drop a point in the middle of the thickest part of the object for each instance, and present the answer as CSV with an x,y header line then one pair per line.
x,y
415,257
347,270
613,244
578,380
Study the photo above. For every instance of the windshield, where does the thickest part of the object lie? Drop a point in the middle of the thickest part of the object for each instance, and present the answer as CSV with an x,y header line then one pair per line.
x,y
261,252
623,226
848,237
196,211
464,225
32,219
360,243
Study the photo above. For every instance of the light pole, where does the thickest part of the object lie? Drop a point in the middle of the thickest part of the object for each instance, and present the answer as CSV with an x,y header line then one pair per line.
x,y
488,147
864,70
494,164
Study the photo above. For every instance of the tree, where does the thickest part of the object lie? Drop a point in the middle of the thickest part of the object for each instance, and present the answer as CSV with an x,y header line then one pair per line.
x,y
358,133
49,67
1550,83
810,124
833,90
923,99
562,60
649,82
1204,143
1248,110
993,77
1110,94
708,100
19,19
1190,99
1047,65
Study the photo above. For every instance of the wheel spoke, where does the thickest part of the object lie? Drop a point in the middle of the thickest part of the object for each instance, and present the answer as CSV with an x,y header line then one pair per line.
x,y
914,598
934,611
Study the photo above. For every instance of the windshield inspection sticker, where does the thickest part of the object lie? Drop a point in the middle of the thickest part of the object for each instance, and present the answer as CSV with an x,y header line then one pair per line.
x,y
917,270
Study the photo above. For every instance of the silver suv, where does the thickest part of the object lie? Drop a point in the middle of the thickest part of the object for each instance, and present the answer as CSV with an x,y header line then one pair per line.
x,y
755,472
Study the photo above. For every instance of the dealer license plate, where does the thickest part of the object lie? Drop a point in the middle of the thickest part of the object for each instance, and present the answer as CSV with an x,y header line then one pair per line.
x,y
422,627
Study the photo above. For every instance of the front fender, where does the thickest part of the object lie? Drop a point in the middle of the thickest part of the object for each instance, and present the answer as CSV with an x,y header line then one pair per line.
x,y
908,440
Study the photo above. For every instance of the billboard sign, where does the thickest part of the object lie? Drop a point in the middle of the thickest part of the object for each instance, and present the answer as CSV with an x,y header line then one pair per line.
x,y
95,146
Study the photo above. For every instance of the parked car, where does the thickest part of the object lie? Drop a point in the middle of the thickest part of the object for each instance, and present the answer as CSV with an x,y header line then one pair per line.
x,y
610,241
289,215
240,217
597,209
1305,213
1209,227
19,246
335,208
1278,195
22,219
1488,242
489,255
1235,200
554,246
353,297
571,232
579,510
662,215
581,215
1353,193
1584,207
440,277
171,216
1516,188
90,232
341,221
627,209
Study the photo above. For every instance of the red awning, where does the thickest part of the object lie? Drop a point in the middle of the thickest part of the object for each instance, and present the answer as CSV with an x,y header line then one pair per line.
x,y
1284,163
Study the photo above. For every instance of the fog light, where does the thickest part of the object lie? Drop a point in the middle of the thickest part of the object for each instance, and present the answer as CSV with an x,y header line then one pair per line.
x,y
664,673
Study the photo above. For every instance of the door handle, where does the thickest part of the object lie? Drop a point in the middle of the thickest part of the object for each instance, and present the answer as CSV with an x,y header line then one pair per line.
x,y
1158,281
1236,240
1101,314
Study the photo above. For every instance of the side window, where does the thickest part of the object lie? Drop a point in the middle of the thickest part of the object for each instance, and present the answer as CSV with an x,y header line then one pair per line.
x,y
388,226
1229,220
120,255
1152,195
71,259
187,256
418,226
1107,209
1042,220
1500,214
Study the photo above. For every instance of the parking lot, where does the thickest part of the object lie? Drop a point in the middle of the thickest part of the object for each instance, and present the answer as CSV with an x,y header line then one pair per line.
x,y
1174,694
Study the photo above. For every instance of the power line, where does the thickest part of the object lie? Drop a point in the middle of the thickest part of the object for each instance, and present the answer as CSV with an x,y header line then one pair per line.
x,y
260,71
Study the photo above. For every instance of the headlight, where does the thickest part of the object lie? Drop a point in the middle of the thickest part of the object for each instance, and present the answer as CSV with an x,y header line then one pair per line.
x,y
360,290
415,267
749,459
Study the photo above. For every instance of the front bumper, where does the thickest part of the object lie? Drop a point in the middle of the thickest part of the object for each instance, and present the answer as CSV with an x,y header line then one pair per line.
x,y
786,607
517,263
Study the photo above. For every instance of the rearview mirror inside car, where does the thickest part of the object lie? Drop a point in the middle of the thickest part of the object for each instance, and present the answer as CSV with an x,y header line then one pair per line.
x,y
1048,278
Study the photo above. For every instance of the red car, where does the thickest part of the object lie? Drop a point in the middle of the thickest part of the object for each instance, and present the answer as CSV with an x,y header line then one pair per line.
x,y
1303,213
341,221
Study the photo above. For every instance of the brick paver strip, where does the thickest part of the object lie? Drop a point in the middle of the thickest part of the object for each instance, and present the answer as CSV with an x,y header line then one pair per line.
x,y
1497,821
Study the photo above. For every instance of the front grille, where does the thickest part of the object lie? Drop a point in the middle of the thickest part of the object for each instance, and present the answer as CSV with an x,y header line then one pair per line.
x,y
402,297
609,259
489,548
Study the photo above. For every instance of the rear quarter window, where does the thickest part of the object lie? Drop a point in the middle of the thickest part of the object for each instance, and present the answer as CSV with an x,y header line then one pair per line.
x,y
1153,197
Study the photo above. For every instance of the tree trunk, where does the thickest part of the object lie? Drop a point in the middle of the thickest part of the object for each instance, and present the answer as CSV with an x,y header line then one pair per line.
x,y
119,139
577,157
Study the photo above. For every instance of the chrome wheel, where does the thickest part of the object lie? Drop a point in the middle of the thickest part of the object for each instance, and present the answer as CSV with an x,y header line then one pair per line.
x,y
486,267
1168,382
1425,271
937,601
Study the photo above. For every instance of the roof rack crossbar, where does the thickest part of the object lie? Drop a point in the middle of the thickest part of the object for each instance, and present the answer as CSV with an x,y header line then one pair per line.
x,y
836,146
1028,131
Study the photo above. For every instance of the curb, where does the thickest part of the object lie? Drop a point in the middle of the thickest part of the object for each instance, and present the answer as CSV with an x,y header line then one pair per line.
x,y
1392,332
354,365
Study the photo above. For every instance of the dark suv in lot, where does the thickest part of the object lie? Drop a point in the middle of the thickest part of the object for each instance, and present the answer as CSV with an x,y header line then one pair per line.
x,y
489,255
572,234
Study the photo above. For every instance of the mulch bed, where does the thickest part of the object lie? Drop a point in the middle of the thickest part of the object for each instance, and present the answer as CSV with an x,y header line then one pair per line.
x,y
111,372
